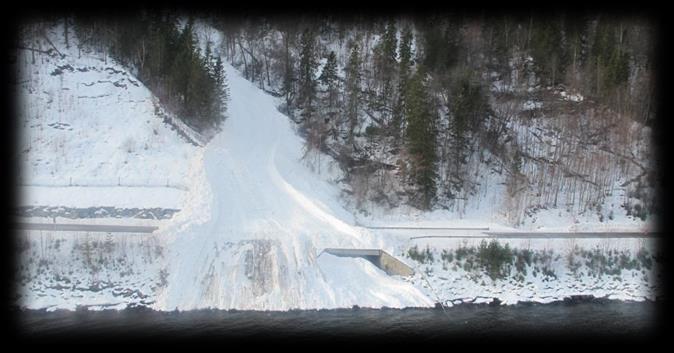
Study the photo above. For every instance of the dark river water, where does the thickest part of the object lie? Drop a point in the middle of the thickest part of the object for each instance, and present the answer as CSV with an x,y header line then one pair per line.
x,y
587,320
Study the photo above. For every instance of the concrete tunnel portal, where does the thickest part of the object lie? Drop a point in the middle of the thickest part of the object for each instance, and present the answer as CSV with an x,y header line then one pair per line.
x,y
378,257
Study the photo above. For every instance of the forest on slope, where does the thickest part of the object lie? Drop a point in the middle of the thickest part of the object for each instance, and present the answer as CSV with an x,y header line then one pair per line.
x,y
163,53
417,110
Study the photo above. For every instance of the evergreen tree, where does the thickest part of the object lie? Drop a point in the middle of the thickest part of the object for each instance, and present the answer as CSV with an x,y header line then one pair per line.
x,y
406,53
404,70
328,76
352,91
306,80
547,50
421,139
289,78
609,61
209,60
385,71
470,108
330,81
576,45
221,83
181,69
65,31
440,42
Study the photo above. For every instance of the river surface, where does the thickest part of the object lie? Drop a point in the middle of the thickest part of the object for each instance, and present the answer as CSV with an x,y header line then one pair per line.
x,y
601,319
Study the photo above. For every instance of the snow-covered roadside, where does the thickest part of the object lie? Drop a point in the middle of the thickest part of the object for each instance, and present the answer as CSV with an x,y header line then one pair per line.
x,y
86,121
548,221
117,196
98,220
60,270
486,214
623,269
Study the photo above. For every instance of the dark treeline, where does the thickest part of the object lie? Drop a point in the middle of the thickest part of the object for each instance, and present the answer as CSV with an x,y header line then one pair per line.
x,y
167,59
410,105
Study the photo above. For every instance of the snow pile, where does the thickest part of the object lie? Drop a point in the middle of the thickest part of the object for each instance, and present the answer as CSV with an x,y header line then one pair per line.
x,y
270,218
347,275
577,97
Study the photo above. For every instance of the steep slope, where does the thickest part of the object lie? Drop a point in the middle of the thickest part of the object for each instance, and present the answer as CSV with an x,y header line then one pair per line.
x,y
542,156
270,218
87,121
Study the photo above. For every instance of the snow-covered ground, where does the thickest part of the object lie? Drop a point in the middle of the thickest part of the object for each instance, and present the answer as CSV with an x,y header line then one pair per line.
x,y
88,196
270,217
453,281
255,216
87,121
60,270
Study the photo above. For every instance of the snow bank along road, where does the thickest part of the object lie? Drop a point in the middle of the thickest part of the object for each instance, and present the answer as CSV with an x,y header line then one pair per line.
x,y
269,218
86,227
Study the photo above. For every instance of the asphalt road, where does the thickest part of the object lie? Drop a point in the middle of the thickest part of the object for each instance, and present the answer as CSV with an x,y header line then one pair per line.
x,y
499,235
426,228
548,235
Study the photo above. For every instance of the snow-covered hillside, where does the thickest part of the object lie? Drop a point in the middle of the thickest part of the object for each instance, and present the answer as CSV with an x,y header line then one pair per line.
x,y
548,157
87,121
254,216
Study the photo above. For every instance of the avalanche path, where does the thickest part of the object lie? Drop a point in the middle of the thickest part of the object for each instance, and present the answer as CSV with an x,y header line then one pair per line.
x,y
258,220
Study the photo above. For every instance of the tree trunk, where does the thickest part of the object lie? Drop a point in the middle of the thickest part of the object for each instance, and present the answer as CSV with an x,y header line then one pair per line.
x,y
243,54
